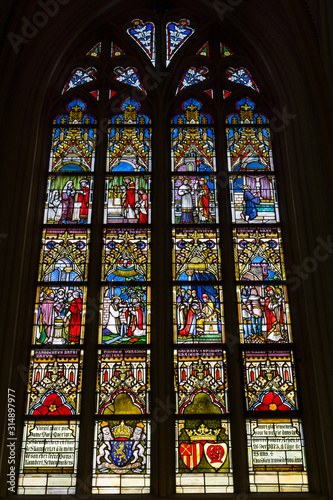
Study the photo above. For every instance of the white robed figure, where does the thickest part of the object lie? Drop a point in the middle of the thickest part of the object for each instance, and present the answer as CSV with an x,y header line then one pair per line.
x,y
185,192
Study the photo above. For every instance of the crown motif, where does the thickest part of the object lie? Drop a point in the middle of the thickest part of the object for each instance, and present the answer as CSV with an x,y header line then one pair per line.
x,y
121,431
203,434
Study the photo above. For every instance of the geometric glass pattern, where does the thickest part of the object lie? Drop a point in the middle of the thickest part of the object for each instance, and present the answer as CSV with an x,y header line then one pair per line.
x,y
201,381
270,383
123,382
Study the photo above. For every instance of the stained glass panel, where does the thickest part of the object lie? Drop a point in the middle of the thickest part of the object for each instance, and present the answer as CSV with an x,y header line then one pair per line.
x,y
204,50
68,200
270,383
129,76
80,76
127,199
276,456
49,458
144,35
123,382
121,457
176,35
198,313
73,150
242,76
125,314
96,50
196,255
126,255
254,199
225,51
203,456
129,149
54,386
194,200
201,381
191,76
264,313
59,315
64,255
116,51
258,254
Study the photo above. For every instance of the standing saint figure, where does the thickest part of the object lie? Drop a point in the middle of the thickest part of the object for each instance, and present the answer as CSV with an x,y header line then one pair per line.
x,y
83,198
194,309
47,318
273,312
142,206
185,192
129,207
67,196
74,315
203,192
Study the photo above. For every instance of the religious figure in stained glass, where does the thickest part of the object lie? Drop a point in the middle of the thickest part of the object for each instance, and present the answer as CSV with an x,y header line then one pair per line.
x,y
258,254
194,200
263,313
270,381
54,385
64,255
123,382
126,255
125,314
254,199
68,200
193,148
198,315
127,199
196,255
200,381
249,145
59,315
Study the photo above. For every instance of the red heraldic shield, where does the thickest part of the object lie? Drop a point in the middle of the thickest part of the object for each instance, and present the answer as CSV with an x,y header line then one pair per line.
x,y
216,454
191,454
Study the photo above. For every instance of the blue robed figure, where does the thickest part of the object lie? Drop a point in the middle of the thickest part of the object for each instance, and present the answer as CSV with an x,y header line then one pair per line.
x,y
251,201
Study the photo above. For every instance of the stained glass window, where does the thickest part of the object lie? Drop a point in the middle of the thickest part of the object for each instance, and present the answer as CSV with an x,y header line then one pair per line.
x,y
276,458
98,238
